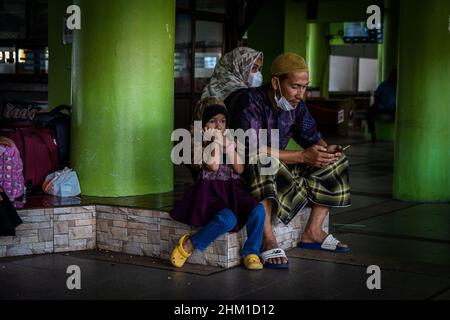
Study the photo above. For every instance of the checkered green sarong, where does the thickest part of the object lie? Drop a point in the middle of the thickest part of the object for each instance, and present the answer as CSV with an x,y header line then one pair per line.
x,y
293,186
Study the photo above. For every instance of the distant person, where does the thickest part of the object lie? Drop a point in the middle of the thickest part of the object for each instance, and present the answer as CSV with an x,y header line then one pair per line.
x,y
238,69
385,99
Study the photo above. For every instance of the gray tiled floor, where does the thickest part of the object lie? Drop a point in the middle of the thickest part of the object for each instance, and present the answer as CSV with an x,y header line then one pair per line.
x,y
443,296
429,221
332,281
409,241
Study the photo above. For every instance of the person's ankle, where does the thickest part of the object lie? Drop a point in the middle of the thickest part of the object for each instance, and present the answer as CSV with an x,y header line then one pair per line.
x,y
314,235
188,246
269,244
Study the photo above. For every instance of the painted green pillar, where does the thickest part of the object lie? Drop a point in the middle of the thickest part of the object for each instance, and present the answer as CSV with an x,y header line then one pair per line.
x,y
325,85
268,24
278,27
60,55
390,37
380,63
295,27
123,92
422,151
317,56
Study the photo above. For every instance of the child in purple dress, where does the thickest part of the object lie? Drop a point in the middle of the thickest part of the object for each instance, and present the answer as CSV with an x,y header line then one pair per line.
x,y
219,201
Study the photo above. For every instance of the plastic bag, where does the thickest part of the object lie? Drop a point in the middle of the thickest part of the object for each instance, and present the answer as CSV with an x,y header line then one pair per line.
x,y
63,183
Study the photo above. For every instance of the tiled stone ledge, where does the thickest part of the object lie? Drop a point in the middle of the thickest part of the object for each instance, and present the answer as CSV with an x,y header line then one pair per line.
x,y
127,230
74,229
33,236
131,231
52,230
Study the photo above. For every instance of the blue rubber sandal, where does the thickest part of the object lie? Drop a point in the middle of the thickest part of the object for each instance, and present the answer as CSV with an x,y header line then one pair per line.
x,y
329,244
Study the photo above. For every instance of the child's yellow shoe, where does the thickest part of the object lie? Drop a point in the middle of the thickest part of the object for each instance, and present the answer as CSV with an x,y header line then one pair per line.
x,y
179,255
252,262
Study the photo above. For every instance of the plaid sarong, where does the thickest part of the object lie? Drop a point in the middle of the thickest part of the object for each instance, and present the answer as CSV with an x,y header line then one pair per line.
x,y
293,186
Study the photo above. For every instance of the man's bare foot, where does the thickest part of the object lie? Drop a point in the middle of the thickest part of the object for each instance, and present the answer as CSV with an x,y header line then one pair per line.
x,y
269,245
311,237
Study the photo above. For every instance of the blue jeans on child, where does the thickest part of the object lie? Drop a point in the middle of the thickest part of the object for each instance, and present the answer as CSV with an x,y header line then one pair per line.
x,y
225,221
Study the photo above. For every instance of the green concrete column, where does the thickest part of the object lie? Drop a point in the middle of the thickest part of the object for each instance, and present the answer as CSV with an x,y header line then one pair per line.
x,y
123,92
380,63
390,37
268,24
317,56
278,27
324,88
422,151
295,27
59,55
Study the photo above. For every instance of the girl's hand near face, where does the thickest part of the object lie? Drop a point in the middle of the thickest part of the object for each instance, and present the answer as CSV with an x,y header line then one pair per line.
x,y
212,135
229,145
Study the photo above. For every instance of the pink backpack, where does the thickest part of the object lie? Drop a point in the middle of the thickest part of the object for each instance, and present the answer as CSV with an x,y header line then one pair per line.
x,y
11,172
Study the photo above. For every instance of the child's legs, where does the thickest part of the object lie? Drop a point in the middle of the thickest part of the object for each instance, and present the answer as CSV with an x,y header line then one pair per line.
x,y
255,225
222,222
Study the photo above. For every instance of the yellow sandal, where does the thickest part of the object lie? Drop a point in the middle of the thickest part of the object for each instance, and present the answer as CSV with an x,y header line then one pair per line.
x,y
252,262
179,255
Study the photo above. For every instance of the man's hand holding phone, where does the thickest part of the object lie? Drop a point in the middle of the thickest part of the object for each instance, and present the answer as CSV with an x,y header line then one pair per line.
x,y
335,151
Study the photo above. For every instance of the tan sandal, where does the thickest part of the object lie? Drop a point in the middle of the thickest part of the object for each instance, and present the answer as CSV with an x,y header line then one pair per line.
x,y
179,255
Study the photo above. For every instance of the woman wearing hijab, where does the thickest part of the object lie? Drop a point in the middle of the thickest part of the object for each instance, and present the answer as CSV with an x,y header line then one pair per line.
x,y
238,69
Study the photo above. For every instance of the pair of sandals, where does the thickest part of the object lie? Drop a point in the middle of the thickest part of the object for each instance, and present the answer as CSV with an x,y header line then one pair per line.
x,y
179,257
329,244
252,261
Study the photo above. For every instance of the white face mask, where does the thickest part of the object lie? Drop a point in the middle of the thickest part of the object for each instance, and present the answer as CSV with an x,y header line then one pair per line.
x,y
282,102
255,79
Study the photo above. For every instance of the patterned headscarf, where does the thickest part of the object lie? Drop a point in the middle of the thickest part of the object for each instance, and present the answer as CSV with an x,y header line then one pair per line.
x,y
231,73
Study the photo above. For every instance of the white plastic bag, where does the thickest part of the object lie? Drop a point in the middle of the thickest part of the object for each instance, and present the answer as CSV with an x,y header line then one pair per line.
x,y
63,183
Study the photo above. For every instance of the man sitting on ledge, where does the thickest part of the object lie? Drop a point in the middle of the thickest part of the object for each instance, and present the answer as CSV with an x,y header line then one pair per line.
x,y
317,175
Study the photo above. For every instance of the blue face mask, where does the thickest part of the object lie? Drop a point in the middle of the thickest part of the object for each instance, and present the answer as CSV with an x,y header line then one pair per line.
x,y
282,102
255,79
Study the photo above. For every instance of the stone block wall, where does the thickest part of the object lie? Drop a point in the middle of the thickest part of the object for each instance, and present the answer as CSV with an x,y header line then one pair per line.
x,y
132,231
127,230
52,230
33,236
74,228
155,234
